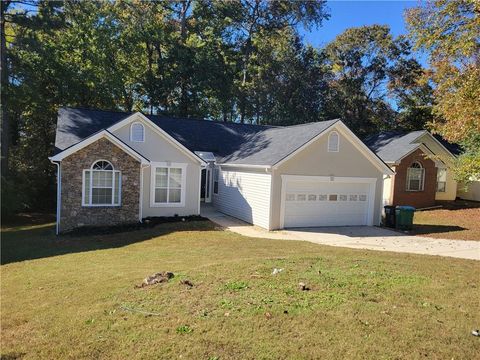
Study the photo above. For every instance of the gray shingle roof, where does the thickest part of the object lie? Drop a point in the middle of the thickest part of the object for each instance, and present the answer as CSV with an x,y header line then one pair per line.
x,y
232,143
393,145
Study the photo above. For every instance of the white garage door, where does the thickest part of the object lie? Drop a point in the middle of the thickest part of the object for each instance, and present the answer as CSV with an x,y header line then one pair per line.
x,y
321,202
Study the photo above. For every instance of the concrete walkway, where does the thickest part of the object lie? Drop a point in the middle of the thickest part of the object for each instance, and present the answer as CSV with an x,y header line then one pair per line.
x,y
356,237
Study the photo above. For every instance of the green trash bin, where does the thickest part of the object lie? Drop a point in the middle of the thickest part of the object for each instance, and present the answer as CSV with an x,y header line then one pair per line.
x,y
404,217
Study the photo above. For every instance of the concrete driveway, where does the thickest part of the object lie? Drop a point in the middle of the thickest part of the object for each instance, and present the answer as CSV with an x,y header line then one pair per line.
x,y
356,237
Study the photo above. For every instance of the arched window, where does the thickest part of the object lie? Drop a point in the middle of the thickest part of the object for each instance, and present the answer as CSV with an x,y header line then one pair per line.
x,y
101,185
415,177
137,132
333,140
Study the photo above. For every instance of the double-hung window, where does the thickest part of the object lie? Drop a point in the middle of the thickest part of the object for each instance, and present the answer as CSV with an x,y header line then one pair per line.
x,y
415,177
168,185
101,185
441,180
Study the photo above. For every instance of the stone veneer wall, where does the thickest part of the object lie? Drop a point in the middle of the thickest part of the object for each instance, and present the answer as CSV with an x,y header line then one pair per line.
x,y
73,214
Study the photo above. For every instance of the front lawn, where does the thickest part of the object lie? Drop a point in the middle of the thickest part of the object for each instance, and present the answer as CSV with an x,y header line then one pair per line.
x,y
75,297
459,220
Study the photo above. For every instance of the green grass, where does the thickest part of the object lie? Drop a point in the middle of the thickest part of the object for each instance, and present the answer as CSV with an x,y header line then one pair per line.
x,y
75,297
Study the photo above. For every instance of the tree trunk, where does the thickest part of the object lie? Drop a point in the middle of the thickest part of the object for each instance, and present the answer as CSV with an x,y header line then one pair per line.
x,y
5,125
183,77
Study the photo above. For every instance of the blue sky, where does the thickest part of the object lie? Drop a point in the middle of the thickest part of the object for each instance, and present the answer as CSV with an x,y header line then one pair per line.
x,y
346,14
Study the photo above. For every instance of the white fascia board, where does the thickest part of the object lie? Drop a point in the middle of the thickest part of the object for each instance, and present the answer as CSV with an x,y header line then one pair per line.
x,y
364,149
158,130
245,166
438,142
308,143
90,140
425,150
345,131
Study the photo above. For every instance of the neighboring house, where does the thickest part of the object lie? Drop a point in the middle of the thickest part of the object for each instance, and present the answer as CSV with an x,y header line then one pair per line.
x,y
116,168
420,162
471,191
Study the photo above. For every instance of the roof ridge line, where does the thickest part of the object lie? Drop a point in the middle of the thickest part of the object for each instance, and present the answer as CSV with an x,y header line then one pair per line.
x,y
160,116
309,123
97,110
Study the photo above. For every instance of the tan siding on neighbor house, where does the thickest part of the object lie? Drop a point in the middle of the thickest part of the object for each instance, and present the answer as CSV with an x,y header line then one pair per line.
x,y
471,193
315,160
446,157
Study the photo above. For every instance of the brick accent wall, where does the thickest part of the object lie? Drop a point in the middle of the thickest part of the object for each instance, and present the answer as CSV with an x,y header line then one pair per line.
x,y
73,214
418,199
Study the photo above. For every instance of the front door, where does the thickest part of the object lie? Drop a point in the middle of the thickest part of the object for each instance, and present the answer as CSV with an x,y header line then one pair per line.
x,y
205,188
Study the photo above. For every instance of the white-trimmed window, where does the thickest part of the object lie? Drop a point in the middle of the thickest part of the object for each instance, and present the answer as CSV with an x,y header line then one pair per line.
x,y
441,180
101,185
415,177
168,184
215,180
333,140
137,132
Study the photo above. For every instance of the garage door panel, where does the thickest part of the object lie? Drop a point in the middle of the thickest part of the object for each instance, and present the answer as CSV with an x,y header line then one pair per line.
x,y
316,203
325,220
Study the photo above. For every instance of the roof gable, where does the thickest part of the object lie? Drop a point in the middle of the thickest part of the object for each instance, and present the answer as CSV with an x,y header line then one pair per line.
x,y
392,146
74,125
139,117
95,137
232,143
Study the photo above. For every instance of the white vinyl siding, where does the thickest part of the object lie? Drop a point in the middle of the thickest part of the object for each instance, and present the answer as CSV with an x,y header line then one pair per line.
x,y
244,195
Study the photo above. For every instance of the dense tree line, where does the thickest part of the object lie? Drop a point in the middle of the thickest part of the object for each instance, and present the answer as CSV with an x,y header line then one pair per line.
x,y
242,61
449,31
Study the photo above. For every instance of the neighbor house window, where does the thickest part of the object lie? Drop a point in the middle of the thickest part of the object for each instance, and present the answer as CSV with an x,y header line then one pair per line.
x,y
333,142
215,180
441,180
137,132
101,185
168,185
415,177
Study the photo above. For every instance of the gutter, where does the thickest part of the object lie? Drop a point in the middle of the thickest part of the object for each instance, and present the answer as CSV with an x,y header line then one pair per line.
x,y
140,205
59,194
245,166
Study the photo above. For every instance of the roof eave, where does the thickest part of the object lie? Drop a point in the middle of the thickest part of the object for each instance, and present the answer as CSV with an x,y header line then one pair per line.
x,y
93,138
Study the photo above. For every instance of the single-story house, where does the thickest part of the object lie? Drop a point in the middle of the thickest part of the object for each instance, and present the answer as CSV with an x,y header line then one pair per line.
x,y
116,167
420,161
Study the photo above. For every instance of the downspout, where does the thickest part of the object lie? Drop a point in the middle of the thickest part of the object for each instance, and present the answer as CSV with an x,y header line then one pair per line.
x,y
59,196
202,167
140,212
